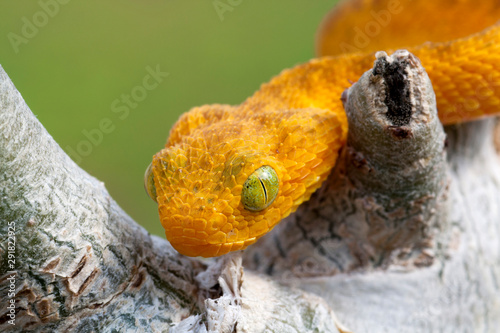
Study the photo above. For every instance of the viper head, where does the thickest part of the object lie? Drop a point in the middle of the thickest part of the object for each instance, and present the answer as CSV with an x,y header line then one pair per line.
x,y
229,182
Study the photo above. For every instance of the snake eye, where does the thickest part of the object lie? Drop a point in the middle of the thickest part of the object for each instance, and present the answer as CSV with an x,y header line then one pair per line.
x,y
149,183
260,189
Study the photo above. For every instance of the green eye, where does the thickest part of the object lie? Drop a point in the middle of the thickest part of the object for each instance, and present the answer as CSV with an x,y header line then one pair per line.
x,y
260,189
149,183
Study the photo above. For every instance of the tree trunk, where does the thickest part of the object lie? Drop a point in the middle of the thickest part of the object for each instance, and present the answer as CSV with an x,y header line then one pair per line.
x,y
404,236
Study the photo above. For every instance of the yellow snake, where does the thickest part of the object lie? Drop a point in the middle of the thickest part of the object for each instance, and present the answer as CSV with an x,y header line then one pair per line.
x,y
229,174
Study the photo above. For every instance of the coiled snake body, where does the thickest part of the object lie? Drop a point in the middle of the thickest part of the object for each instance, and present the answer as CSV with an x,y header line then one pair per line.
x,y
229,174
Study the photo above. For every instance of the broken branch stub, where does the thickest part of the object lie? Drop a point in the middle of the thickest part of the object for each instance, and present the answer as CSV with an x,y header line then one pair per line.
x,y
385,202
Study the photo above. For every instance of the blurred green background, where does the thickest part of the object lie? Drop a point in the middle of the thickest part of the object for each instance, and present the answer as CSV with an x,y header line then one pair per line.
x,y
74,60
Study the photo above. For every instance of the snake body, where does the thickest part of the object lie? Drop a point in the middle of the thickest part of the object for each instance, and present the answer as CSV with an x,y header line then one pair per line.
x,y
209,203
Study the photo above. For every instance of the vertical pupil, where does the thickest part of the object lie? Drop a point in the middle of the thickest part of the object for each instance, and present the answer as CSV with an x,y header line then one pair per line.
x,y
264,189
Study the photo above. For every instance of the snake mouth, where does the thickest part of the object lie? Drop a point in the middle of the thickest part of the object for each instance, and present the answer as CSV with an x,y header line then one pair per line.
x,y
212,250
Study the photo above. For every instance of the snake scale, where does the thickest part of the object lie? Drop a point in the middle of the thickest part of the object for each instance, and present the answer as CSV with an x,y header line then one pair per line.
x,y
229,174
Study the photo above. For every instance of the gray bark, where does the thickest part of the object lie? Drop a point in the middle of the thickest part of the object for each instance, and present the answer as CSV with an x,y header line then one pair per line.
x,y
415,249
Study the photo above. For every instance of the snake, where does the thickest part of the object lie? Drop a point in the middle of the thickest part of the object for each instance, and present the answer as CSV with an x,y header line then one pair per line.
x,y
228,174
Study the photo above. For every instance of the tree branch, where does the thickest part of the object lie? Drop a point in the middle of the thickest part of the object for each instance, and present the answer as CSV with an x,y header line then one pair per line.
x,y
82,264
399,238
